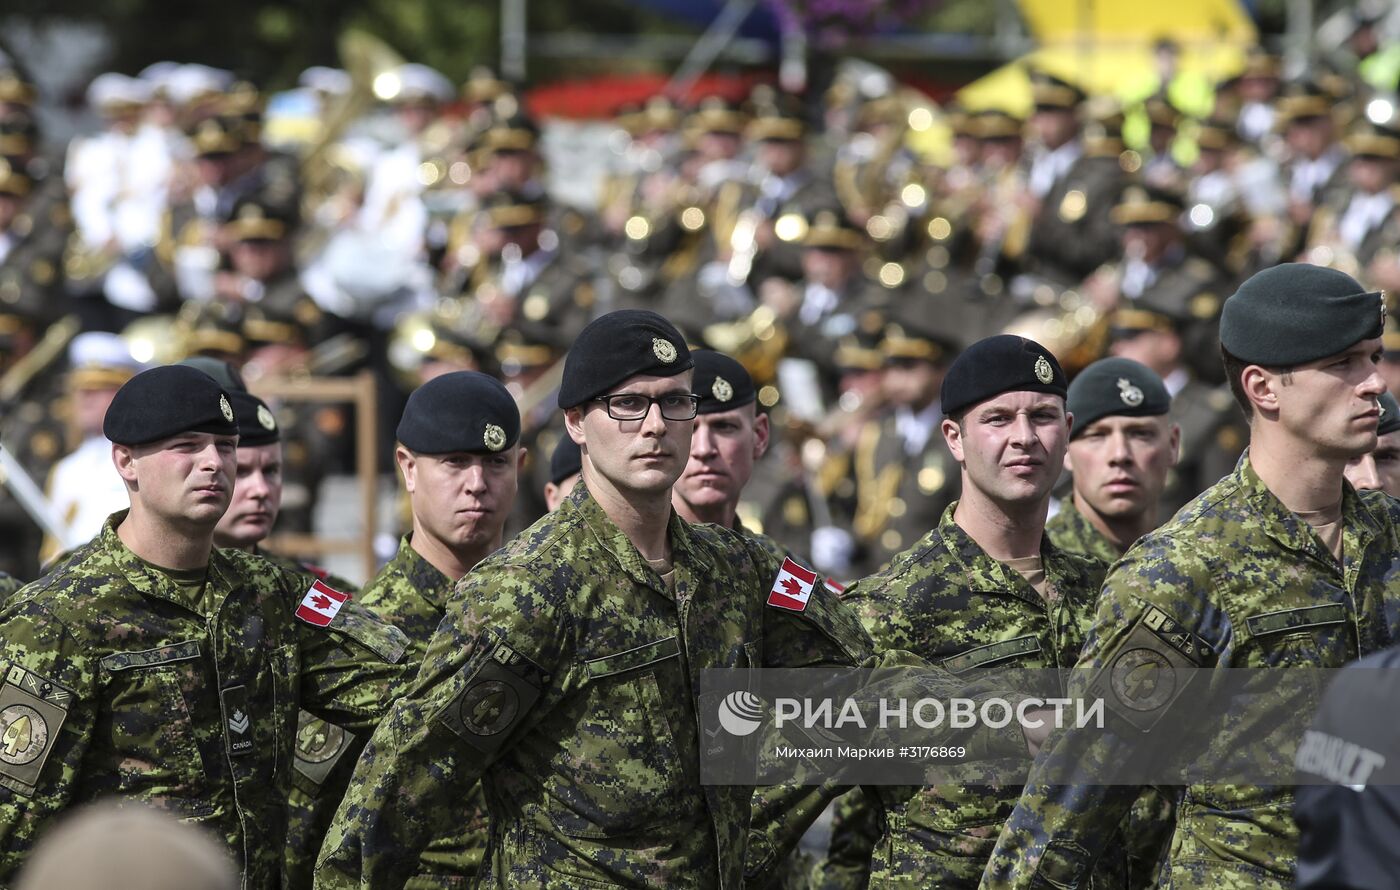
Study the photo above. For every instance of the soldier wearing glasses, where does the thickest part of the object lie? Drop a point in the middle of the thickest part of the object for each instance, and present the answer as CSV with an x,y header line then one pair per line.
x,y
566,669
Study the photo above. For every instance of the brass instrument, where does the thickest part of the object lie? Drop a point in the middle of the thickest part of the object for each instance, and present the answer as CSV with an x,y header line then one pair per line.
x,y
758,341
44,354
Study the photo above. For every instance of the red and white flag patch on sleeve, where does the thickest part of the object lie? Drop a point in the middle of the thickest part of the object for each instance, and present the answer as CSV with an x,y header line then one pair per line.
x,y
793,587
321,603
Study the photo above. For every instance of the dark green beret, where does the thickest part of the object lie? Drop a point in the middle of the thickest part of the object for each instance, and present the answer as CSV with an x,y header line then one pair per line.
x,y
224,373
721,383
566,460
617,346
460,411
1115,386
1390,415
1004,363
1296,313
165,402
256,423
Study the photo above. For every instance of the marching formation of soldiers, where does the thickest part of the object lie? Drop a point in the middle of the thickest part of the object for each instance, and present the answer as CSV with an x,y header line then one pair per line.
x,y
1112,379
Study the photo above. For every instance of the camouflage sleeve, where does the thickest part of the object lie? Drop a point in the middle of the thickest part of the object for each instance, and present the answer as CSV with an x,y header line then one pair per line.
x,y
48,705
495,666
351,668
823,634
855,830
1057,831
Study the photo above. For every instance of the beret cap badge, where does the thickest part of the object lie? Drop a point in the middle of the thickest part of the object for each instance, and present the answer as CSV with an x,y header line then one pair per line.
x,y
1043,372
722,390
1131,395
266,419
225,408
493,437
664,349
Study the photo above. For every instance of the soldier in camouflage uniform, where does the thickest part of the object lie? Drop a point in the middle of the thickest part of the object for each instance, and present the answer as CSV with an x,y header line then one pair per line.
x,y
731,434
1280,564
1120,450
983,588
460,455
564,669
1381,468
252,513
150,665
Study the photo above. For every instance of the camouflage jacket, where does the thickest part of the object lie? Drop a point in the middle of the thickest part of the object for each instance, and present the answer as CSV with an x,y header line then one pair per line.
x,y
948,601
413,595
1256,588
116,683
325,754
565,673
1071,532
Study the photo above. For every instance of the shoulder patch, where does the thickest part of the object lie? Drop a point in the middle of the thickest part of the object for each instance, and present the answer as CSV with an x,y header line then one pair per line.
x,y
793,587
321,604
320,746
1149,670
32,711
500,690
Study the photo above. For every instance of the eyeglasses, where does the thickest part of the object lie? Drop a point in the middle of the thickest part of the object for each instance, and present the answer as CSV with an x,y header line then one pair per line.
x,y
631,406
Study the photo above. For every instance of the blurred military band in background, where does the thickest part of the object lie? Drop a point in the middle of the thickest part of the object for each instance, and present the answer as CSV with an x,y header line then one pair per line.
x,y
403,225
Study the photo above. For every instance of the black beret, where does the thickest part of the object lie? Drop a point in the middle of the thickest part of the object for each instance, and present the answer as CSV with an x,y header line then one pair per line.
x,y
256,423
1296,313
460,411
1115,386
1004,363
566,460
617,346
721,383
1390,415
165,402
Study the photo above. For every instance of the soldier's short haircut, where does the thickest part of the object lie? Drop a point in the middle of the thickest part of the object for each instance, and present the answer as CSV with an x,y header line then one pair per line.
x,y
1234,367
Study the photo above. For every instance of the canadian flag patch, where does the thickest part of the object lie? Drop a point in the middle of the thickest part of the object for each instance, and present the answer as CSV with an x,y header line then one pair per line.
x,y
321,603
793,587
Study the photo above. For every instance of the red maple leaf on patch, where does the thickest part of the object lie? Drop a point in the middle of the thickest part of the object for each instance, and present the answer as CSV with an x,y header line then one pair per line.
x,y
792,588
321,602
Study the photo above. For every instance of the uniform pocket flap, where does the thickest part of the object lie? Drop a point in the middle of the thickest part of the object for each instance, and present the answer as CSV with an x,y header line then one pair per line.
x,y
631,659
125,661
1296,619
991,653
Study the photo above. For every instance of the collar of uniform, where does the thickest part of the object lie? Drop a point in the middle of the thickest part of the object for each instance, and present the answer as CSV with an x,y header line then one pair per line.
x,y
1077,525
1359,525
616,542
987,574
424,577
149,583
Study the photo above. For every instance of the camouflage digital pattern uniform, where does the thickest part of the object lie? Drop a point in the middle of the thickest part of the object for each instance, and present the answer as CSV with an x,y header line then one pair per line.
x,y
324,756
412,595
114,680
1258,588
946,600
565,673
9,584
1149,823
1072,532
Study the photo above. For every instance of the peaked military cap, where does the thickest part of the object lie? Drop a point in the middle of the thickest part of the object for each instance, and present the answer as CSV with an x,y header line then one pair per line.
x,y
1115,386
1145,205
257,425
1053,93
721,382
566,460
165,402
1296,313
1004,363
617,346
460,411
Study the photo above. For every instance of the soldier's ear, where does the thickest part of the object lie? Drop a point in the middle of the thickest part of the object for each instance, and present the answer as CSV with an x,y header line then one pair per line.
x,y
1175,438
573,424
952,437
520,459
125,462
408,467
762,433
1261,387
